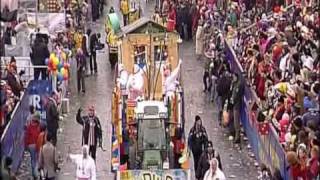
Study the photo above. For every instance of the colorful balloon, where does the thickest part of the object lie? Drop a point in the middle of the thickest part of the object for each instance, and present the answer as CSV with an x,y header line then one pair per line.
x,y
46,61
56,61
52,55
60,65
65,77
66,65
63,71
60,77
54,67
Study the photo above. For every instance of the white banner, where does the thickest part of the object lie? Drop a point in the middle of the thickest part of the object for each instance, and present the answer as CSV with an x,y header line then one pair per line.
x,y
12,4
52,21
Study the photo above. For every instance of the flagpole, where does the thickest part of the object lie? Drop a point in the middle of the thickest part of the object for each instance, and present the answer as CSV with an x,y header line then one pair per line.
x,y
37,11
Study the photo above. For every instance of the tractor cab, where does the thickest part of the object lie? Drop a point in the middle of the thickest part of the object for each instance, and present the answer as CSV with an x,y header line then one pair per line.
x,y
153,151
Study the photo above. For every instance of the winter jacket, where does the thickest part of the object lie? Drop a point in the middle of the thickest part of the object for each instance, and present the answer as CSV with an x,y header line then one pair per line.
x,y
52,115
237,93
93,43
313,169
32,132
81,62
14,84
223,86
197,140
203,164
39,53
85,122
48,159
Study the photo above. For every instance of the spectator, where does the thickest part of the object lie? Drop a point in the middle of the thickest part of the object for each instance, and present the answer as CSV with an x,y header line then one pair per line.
x,y
236,101
6,163
52,114
42,138
48,159
32,111
313,164
31,135
14,81
39,54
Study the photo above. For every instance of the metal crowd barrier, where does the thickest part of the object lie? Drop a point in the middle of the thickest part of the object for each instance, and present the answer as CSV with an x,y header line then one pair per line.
x,y
36,93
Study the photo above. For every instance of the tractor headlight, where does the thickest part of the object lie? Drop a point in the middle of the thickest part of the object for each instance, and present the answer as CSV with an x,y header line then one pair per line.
x,y
163,115
140,115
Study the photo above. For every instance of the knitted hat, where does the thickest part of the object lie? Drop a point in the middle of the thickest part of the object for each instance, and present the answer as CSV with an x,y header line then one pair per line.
x,y
36,116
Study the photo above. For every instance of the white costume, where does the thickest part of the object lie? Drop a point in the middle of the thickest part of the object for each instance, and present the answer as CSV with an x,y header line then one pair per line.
x,y
218,175
86,168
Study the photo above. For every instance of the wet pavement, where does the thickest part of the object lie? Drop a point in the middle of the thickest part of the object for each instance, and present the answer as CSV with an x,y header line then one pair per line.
x,y
237,164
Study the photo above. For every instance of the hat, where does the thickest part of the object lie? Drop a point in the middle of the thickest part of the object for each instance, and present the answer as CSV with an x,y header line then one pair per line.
x,y
209,144
36,116
307,103
3,82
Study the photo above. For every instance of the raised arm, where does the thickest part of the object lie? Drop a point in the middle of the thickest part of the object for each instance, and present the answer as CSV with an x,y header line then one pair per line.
x,y
79,118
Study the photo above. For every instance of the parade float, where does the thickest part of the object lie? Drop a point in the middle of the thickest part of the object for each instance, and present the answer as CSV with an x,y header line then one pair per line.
x,y
148,105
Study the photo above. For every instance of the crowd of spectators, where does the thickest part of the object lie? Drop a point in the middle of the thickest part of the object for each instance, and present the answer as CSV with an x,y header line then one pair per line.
x,y
281,59
11,88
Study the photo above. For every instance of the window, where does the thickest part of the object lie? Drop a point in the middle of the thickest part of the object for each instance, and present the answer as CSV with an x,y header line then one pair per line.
x,y
160,53
152,134
140,56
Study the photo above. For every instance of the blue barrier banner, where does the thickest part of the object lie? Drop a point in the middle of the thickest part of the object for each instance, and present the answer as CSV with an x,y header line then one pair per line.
x,y
12,142
38,93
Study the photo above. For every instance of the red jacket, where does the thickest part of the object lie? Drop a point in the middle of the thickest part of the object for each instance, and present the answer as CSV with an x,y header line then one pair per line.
x,y
313,169
298,172
32,132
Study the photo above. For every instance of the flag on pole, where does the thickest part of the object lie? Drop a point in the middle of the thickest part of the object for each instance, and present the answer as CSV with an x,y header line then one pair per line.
x,y
170,83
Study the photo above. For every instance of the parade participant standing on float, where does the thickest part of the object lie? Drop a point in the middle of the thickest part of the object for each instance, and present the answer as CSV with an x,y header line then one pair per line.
x,y
92,132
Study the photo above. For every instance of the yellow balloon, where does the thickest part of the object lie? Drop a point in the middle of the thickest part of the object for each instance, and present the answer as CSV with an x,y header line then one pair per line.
x,y
55,61
52,56
63,71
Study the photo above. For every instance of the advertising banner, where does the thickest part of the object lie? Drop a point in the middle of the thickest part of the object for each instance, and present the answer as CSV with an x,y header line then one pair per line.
x,y
12,141
172,174
39,92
